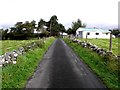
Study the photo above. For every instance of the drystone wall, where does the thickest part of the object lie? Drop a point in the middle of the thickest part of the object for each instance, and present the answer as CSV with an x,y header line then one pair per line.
x,y
11,57
102,52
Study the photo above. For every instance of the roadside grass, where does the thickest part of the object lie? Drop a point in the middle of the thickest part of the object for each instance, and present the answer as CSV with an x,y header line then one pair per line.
x,y
0,78
16,76
104,43
0,47
9,45
106,70
0,67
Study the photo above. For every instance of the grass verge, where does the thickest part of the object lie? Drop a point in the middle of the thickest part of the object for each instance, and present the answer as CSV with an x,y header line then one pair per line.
x,y
16,76
10,45
106,70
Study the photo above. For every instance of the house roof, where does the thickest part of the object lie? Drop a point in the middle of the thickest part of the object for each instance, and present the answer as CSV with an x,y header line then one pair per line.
x,y
93,30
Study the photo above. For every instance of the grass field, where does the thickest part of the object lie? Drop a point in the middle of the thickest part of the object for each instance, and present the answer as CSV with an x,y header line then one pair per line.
x,y
106,70
16,76
104,43
9,45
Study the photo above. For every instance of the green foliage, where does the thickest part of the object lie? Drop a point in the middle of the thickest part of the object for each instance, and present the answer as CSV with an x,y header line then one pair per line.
x,y
22,30
18,26
53,27
75,25
16,76
0,78
25,31
53,20
3,34
69,31
115,32
46,33
41,23
61,28
10,45
106,70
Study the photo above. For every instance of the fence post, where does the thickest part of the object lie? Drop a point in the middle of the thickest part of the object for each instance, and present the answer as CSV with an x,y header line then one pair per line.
x,y
119,46
110,44
86,37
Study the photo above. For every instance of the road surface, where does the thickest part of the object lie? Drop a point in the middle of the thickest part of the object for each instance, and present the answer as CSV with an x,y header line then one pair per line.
x,y
61,68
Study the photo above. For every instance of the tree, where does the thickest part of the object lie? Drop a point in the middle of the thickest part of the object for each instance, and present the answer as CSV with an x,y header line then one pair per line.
x,y
61,28
75,25
33,26
28,29
115,32
22,30
53,19
12,33
41,23
69,31
3,34
53,24
1,31
53,27
84,25
41,28
19,27
33,22
45,32
17,31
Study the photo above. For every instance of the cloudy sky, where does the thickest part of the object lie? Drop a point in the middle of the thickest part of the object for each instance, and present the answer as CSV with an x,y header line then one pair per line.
x,y
95,13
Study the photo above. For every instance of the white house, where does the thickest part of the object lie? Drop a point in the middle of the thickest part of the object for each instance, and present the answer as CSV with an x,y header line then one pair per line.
x,y
40,30
92,33
63,34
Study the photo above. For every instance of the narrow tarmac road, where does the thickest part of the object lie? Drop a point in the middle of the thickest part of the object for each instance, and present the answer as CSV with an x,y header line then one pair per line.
x,y
61,68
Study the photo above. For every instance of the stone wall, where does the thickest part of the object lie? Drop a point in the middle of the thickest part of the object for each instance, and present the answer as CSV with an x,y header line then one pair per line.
x,y
100,51
11,57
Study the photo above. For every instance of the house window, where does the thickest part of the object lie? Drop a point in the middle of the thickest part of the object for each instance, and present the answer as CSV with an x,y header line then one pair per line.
x,y
79,32
97,33
88,33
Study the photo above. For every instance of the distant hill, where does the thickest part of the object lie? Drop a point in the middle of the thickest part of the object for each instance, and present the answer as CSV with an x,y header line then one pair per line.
x,y
6,26
102,26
